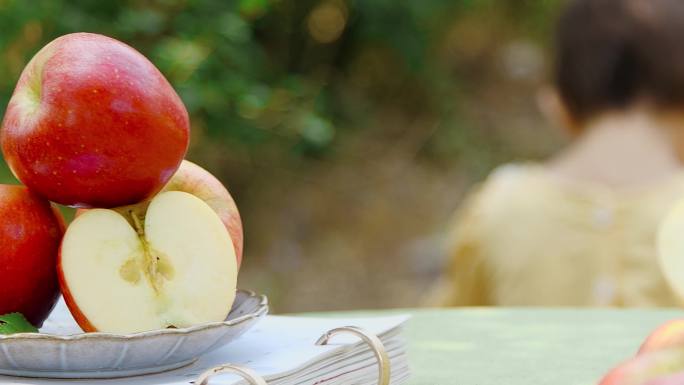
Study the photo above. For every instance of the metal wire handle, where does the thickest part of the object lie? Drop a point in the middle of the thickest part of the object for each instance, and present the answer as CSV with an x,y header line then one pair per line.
x,y
375,344
247,374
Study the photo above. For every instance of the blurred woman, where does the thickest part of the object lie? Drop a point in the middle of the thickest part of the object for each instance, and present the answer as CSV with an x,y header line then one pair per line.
x,y
579,229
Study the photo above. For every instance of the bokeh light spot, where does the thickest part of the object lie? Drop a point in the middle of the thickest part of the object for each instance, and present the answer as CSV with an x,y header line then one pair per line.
x,y
327,21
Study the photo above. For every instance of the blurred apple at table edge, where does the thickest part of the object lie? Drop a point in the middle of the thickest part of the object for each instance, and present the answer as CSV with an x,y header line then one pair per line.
x,y
647,367
93,123
30,234
195,180
660,359
668,335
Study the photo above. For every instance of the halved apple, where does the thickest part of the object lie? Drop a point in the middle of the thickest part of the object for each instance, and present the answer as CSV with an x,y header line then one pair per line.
x,y
174,267
671,248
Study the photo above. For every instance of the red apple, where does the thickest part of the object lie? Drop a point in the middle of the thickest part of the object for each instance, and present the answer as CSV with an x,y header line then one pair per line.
x,y
92,123
30,233
167,262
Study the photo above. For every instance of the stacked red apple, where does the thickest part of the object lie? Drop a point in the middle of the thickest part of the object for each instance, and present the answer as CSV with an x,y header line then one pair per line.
x,y
157,242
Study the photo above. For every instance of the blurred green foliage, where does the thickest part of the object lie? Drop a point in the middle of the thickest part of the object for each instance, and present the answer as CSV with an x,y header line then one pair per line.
x,y
287,77
346,130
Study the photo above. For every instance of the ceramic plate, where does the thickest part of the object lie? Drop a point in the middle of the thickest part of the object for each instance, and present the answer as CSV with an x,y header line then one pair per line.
x,y
62,350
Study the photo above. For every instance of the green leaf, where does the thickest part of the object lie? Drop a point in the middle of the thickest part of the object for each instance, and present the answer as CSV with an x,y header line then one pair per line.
x,y
15,323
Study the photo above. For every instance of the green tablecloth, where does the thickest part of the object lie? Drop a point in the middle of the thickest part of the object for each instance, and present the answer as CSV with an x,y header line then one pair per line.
x,y
501,346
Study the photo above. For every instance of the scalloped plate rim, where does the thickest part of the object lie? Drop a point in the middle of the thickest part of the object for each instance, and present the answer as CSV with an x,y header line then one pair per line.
x,y
261,311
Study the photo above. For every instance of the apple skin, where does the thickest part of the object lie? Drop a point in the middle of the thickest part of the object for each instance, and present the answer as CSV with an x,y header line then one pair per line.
x,y
670,334
195,180
673,379
660,359
93,123
30,234
78,315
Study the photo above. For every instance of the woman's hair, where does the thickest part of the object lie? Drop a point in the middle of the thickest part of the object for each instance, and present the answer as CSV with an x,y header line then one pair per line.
x,y
612,53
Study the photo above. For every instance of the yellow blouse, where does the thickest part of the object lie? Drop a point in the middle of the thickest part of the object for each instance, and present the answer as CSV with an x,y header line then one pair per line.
x,y
525,237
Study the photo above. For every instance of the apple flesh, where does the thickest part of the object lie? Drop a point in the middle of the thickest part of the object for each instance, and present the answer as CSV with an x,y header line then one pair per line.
x,y
92,123
30,234
174,267
197,181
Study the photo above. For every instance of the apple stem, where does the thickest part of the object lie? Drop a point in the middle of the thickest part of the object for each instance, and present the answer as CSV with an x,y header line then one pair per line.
x,y
138,226
150,259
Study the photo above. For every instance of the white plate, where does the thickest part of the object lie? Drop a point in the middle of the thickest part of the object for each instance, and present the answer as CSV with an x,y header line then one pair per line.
x,y
62,350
